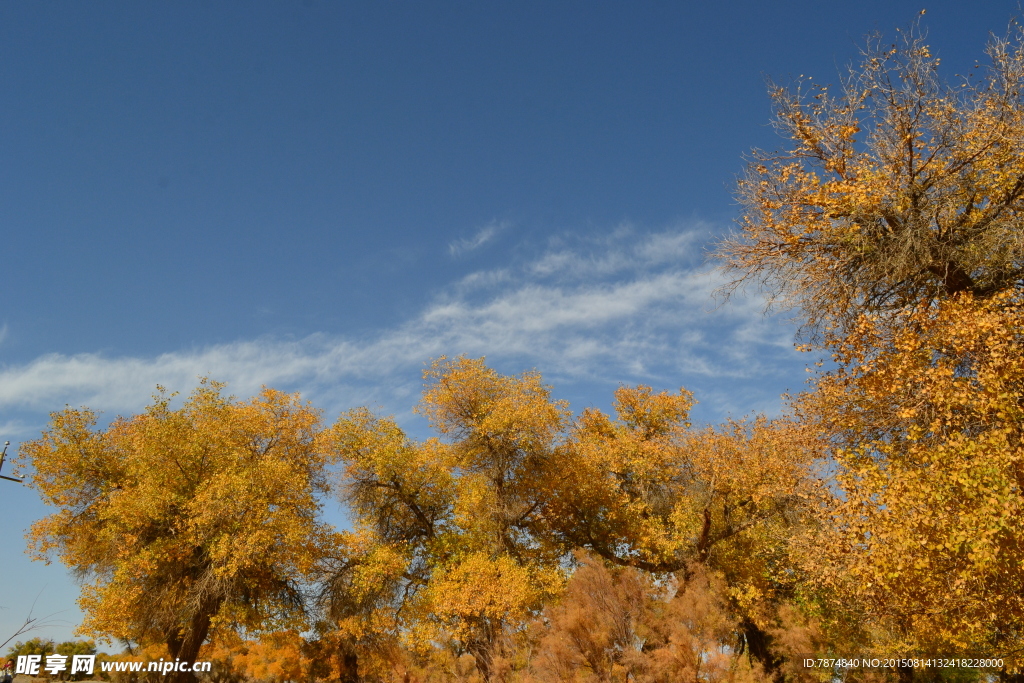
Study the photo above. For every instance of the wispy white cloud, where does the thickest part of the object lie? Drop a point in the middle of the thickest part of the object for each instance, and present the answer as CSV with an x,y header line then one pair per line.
x,y
482,237
623,308
623,250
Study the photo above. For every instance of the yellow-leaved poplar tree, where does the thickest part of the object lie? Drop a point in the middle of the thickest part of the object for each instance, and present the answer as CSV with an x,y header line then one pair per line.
x,y
896,190
646,490
460,542
180,521
894,222
926,432
447,547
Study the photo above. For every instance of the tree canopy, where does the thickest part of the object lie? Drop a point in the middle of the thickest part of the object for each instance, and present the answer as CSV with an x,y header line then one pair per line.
x,y
895,190
464,539
179,521
893,220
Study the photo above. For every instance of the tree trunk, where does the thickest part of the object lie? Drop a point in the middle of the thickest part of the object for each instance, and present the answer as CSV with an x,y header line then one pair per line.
x,y
758,644
483,653
184,644
904,674
348,665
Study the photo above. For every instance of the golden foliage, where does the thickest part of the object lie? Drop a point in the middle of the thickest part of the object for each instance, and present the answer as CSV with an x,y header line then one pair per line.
x,y
647,491
926,431
895,192
464,540
276,657
183,520
446,546
892,219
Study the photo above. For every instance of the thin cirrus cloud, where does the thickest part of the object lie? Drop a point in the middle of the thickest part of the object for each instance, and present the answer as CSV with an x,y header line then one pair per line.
x,y
483,236
625,307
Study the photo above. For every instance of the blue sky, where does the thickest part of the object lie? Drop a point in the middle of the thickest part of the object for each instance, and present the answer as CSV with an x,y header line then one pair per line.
x,y
321,197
